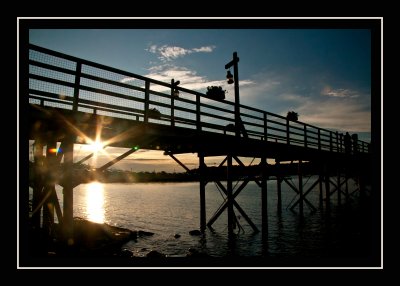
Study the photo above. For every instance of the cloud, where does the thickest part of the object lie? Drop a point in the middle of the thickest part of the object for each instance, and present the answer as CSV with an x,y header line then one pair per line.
x,y
340,92
188,78
336,114
341,109
152,49
169,53
207,49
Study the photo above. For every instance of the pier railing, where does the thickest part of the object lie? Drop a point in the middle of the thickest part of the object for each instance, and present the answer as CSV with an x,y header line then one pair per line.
x,y
63,81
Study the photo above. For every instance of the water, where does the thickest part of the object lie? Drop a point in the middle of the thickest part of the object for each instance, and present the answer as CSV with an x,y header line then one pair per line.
x,y
167,209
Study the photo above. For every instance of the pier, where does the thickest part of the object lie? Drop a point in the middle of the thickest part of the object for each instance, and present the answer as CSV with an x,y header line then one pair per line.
x,y
75,101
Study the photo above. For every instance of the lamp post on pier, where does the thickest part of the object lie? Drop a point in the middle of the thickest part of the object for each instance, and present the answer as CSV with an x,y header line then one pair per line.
x,y
235,79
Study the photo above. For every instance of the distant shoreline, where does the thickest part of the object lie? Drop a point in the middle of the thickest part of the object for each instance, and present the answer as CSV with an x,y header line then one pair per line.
x,y
86,174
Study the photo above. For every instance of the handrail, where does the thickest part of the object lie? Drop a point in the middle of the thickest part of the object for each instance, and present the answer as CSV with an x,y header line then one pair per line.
x,y
50,83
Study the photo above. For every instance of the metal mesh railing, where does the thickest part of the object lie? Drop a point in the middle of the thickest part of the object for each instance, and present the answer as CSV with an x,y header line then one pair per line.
x,y
62,81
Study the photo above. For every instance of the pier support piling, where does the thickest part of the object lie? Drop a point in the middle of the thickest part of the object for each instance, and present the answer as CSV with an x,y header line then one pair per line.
x,y
203,182
327,190
68,194
279,186
38,182
229,178
339,189
300,188
264,197
321,190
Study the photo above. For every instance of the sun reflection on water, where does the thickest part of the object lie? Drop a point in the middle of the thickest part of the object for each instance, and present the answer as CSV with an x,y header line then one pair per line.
x,y
95,202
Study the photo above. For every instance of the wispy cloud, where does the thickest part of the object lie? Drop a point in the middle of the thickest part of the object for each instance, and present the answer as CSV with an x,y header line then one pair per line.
x,y
336,114
207,49
189,79
340,92
169,53
342,109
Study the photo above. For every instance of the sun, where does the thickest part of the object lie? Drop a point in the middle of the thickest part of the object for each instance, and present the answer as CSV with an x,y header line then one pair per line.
x,y
96,146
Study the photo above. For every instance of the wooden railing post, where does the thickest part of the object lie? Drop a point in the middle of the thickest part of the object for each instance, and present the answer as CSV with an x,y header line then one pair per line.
x,y
203,183
305,136
287,132
76,85
146,101
172,102
265,127
198,122
319,139
330,141
339,146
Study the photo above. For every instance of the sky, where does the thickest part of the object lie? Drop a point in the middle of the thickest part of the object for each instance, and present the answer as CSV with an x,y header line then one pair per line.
x,y
322,74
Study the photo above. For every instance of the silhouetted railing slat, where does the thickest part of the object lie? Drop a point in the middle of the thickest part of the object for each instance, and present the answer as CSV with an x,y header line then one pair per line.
x,y
51,67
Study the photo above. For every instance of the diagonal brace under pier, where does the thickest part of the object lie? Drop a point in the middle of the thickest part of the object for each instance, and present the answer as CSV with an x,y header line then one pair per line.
x,y
297,192
225,205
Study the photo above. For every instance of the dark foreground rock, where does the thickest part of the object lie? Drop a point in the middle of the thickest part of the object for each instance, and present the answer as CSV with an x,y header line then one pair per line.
x,y
155,254
195,232
90,239
192,252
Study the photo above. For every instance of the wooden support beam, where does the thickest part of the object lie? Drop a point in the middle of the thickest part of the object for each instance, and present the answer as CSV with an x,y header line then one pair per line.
x,y
50,180
237,192
146,101
297,192
362,189
173,102
217,214
40,204
38,182
222,162
56,203
202,167
242,128
305,194
229,179
84,159
346,178
224,205
116,160
321,195
327,190
264,196
241,187
183,165
49,195
245,216
68,200
244,166
76,85
290,184
339,197
279,186
301,199
336,187
198,113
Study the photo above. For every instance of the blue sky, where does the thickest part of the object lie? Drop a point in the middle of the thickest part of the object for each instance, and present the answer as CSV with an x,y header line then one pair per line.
x,y
323,74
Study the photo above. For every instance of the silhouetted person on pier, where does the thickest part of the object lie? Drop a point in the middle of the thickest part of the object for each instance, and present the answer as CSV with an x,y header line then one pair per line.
x,y
355,143
347,143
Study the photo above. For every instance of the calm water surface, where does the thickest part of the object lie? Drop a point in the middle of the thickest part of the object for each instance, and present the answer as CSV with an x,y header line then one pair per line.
x,y
167,209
